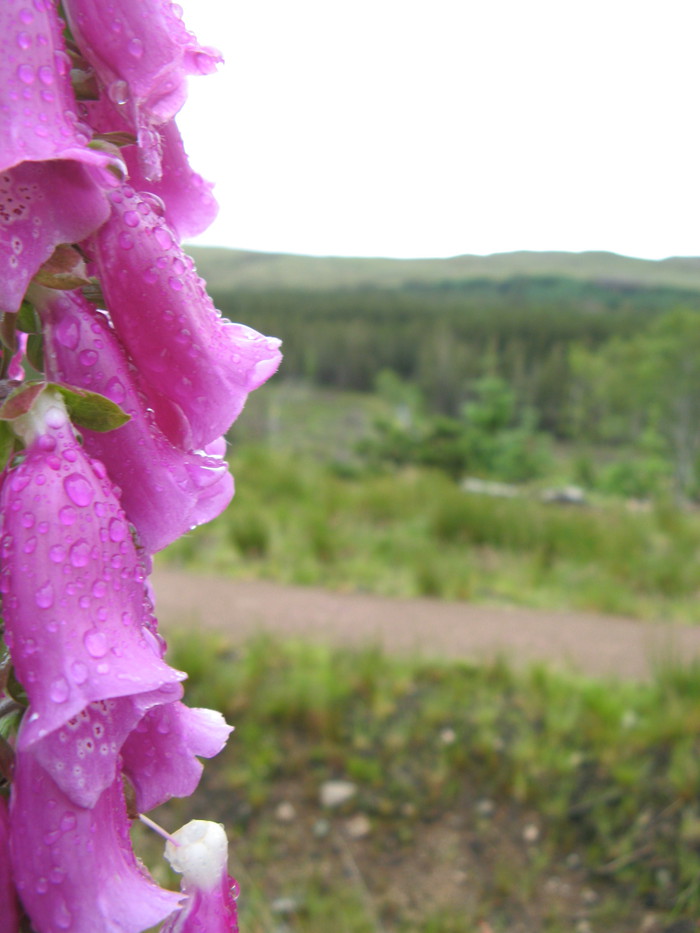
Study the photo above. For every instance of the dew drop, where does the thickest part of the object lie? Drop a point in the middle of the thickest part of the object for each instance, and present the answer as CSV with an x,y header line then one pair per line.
x,y
131,218
59,690
68,821
30,545
163,238
46,75
57,553
24,40
78,489
62,916
95,643
117,530
56,875
25,73
67,515
118,92
126,241
115,390
135,48
68,334
42,885
44,597
88,357
79,672
175,283
79,554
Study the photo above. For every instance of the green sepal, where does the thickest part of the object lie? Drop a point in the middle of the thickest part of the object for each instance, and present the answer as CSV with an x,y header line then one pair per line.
x,y
20,401
8,325
7,444
90,410
28,319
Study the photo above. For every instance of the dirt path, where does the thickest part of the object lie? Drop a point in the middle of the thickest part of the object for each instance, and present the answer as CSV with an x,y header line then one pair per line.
x,y
591,644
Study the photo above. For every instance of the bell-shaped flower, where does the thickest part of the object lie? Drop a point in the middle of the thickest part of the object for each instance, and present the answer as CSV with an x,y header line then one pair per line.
x,y
142,53
165,491
199,851
38,111
197,368
78,621
73,866
9,914
43,204
189,206
159,755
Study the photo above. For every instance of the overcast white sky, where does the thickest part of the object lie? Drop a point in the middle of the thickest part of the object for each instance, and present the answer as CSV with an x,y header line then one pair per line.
x,y
440,127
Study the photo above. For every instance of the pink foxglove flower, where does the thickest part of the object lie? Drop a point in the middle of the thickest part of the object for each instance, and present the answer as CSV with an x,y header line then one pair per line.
x,y
142,53
9,915
159,754
73,866
197,368
78,621
199,851
43,204
38,110
165,491
189,206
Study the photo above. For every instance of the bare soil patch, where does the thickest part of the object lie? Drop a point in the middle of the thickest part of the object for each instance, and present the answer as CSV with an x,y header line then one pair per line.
x,y
584,642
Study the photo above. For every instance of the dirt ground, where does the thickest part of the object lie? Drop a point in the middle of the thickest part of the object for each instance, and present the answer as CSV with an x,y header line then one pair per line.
x,y
590,644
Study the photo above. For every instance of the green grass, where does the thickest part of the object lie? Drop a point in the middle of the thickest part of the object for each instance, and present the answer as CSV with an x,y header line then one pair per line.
x,y
523,800
414,533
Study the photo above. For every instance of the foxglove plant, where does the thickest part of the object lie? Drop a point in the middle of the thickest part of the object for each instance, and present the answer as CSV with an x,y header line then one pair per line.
x,y
118,382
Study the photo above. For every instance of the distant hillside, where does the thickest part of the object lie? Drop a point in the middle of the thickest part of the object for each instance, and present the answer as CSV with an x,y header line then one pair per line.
x,y
226,269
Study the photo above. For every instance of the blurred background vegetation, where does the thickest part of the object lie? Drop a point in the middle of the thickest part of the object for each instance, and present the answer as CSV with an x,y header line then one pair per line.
x,y
519,429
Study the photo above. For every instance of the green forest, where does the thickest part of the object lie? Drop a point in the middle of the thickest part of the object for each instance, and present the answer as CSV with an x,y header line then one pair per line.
x,y
488,377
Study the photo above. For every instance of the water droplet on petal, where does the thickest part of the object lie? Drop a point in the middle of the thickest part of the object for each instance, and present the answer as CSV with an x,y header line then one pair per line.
x,y
67,515
46,75
88,357
95,643
118,92
135,48
42,885
126,241
44,597
131,218
57,553
115,390
24,40
79,672
25,73
68,821
59,690
117,530
78,489
62,916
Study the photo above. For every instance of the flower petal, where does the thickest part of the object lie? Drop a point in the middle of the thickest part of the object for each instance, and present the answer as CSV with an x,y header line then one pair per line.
x,y
9,914
78,621
159,755
38,111
186,353
73,866
165,490
199,851
43,204
142,53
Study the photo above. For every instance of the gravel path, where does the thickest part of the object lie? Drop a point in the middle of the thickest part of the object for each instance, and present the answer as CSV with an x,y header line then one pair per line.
x,y
592,644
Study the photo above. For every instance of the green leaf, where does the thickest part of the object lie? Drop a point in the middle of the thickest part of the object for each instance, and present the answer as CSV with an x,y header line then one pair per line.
x,y
90,410
21,400
35,351
7,443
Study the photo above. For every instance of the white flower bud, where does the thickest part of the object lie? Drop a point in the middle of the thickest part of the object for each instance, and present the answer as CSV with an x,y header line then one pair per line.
x,y
200,854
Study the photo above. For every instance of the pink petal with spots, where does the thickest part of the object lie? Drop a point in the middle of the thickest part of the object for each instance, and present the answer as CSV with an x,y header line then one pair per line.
x,y
160,754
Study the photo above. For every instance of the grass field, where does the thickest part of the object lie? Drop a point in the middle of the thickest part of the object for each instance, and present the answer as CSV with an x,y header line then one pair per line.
x,y
415,533
484,799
